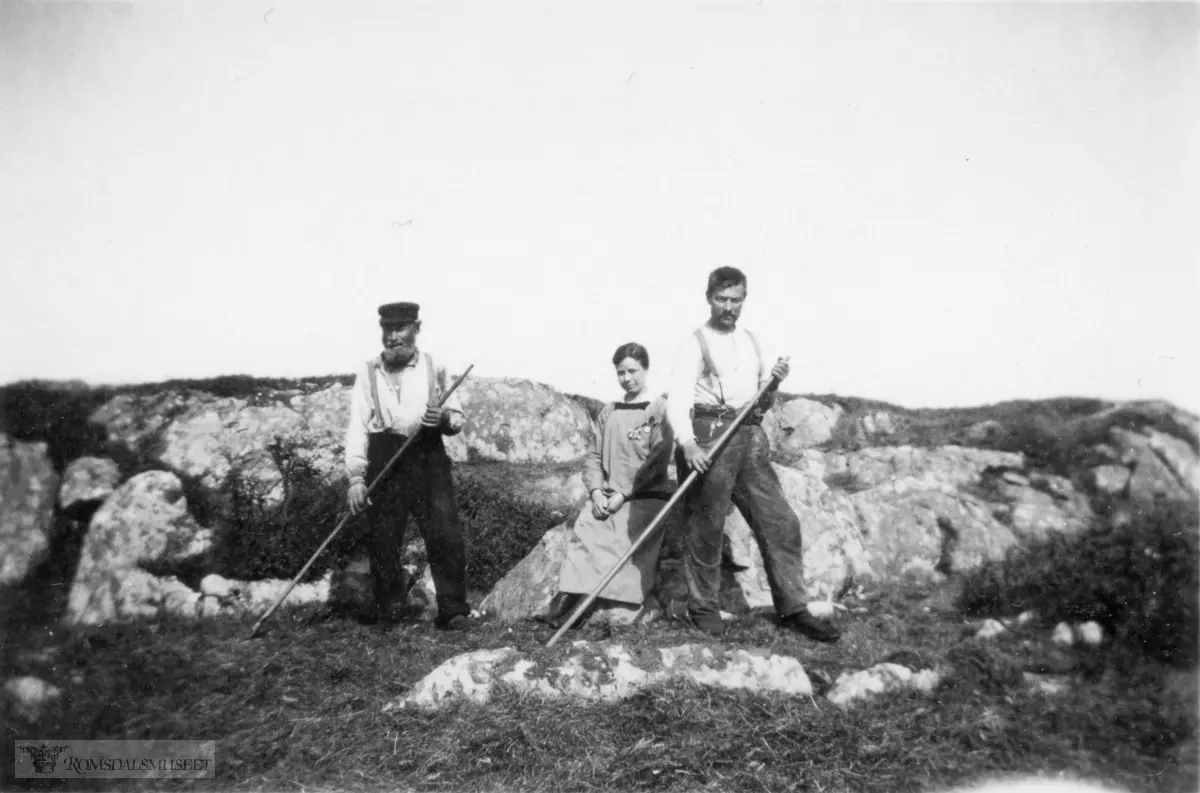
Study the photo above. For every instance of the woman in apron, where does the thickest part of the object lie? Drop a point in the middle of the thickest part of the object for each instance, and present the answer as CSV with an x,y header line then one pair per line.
x,y
626,478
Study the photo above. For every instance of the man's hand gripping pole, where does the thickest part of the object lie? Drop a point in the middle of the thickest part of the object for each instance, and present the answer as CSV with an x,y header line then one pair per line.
x,y
658,519
379,478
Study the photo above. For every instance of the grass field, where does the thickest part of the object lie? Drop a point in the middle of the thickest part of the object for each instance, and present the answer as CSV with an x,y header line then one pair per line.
x,y
299,709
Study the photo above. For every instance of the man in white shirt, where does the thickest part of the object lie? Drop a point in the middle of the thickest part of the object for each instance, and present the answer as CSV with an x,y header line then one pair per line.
x,y
716,373
394,397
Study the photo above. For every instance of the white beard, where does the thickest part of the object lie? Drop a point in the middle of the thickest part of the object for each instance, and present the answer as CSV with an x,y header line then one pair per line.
x,y
395,357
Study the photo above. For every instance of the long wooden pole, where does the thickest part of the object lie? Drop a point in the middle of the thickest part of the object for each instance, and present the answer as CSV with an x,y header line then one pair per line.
x,y
662,514
345,518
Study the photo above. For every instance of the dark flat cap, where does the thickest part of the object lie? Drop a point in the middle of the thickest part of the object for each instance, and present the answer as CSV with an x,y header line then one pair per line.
x,y
396,313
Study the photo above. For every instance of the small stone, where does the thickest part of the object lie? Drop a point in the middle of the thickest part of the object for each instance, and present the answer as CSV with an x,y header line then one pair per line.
x,y
1063,635
990,629
851,687
30,696
216,586
1090,633
823,609
1045,685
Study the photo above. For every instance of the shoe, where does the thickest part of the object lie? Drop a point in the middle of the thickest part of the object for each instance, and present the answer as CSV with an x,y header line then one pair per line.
x,y
710,622
807,625
583,618
460,622
560,608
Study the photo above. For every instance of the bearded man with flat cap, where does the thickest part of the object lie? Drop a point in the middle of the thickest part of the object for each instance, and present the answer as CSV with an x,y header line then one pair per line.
x,y
394,398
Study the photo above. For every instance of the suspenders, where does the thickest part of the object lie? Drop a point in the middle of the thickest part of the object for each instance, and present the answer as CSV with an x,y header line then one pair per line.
x,y
710,370
373,371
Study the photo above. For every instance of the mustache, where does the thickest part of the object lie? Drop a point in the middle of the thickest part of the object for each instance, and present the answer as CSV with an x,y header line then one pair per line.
x,y
398,353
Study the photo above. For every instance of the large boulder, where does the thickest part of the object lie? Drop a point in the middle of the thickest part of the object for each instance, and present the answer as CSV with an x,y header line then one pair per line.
x,y
563,493
1156,445
520,421
834,556
1160,466
528,588
203,436
945,509
903,468
142,530
878,513
799,424
87,481
834,550
602,672
131,593
28,485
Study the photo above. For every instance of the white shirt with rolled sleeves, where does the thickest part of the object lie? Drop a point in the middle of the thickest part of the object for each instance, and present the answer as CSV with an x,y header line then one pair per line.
x,y
741,371
402,406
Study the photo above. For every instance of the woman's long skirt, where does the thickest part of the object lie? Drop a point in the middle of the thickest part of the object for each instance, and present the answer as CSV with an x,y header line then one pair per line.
x,y
596,546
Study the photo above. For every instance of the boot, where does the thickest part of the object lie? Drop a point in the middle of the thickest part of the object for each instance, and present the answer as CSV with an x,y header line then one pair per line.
x,y
709,621
560,608
584,617
805,624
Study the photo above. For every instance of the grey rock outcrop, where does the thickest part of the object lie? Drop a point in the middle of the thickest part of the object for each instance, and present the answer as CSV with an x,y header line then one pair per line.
x,y
87,480
603,672
145,523
28,485
203,436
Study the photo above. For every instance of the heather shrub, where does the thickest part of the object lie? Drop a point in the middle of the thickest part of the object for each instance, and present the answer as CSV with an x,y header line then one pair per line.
x,y
500,528
269,529
56,414
1141,581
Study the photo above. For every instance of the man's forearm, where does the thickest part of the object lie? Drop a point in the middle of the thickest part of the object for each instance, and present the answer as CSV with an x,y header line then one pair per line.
x,y
356,435
356,454
679,409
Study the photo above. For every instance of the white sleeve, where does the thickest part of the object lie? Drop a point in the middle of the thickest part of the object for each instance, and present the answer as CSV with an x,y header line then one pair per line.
x,y
768,355
356,432
686,367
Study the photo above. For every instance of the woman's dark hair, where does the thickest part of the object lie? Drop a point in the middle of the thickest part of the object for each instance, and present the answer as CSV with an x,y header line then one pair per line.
x,y
632,350
722,277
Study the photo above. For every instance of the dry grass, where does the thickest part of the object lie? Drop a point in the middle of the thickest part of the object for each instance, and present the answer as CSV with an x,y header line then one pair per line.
x,y
299,709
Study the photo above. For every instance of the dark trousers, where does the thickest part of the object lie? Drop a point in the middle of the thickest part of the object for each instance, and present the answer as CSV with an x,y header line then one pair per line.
x,y
421,484
742,474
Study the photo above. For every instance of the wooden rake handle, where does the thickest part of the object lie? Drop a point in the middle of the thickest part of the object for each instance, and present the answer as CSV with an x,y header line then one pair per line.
x,y
345,518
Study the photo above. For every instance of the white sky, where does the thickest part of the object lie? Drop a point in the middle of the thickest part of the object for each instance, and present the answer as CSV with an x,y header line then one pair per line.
x,y
935,204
